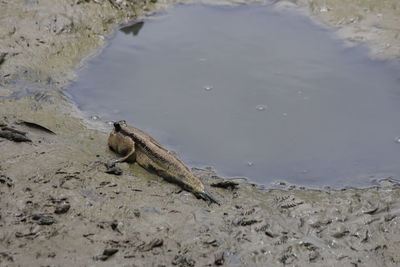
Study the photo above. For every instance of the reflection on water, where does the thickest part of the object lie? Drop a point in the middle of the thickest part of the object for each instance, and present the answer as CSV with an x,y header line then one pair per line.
x,y
133,29
251,92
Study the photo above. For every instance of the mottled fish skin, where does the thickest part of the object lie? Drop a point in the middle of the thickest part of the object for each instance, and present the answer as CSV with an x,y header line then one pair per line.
x,y
137,145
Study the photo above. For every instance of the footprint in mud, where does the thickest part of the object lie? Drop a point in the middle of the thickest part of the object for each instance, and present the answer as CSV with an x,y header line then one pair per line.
x,y
6,180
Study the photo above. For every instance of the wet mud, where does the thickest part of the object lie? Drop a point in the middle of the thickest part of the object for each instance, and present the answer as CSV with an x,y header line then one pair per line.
x,y
59,206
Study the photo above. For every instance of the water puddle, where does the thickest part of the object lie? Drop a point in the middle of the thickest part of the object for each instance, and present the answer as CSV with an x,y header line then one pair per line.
x,y
251,92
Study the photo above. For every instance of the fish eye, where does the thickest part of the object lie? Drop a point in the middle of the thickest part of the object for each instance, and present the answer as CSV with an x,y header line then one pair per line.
x,y
117,126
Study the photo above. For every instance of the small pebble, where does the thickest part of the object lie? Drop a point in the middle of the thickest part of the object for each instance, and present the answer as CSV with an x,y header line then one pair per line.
x,y
324,9
62,208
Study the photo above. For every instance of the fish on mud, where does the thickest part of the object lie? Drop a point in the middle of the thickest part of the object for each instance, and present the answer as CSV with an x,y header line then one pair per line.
x,y
137,146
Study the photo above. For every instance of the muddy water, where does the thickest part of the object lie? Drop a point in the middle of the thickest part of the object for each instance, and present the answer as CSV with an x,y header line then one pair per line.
x,y
252,93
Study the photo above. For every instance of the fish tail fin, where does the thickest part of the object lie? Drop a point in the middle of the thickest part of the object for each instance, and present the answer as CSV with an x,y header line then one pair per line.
x,y
207,197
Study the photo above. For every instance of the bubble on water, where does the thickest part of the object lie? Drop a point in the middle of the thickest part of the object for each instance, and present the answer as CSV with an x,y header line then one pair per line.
x,y
284,114
261,107
208,87
397,140
249,163
111,123
94,117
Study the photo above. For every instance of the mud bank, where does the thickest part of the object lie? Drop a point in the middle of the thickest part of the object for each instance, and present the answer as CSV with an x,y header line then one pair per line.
x,y
373,23
58,206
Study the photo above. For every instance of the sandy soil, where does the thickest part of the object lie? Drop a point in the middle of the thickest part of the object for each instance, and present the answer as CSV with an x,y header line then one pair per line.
x,y
58,207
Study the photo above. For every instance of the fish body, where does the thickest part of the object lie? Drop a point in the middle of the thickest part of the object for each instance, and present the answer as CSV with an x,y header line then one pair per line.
x,y
136,145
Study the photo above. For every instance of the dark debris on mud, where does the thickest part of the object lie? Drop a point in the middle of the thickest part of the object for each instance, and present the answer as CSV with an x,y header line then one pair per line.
x,y
226,184
114,170
11,133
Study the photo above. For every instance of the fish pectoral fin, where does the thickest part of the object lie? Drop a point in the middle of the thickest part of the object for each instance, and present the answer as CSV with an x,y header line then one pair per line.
x,y
131,156
207,197
111,163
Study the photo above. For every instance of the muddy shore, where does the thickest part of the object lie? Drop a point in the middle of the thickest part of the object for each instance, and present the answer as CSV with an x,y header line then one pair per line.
x,y
58,206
